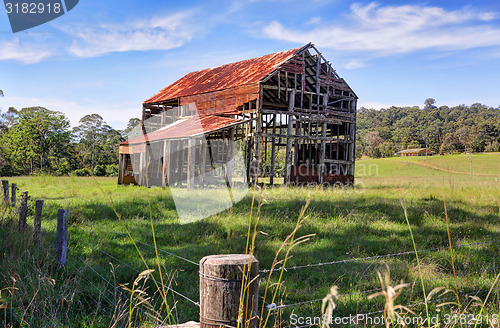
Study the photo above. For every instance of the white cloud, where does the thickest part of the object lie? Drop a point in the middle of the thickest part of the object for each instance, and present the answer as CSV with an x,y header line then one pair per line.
x,y
353,64
314,21
158,33
385,30
25,52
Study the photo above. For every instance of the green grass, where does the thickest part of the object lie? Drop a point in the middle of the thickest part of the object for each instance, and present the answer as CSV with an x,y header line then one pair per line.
x,y
482,164
347,223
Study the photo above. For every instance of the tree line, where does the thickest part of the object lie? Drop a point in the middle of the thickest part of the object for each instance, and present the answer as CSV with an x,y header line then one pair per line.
x,y
444,130
37,140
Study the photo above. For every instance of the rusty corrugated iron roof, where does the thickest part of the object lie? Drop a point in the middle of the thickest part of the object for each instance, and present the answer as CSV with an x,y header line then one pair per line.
x,y
186,127
223,77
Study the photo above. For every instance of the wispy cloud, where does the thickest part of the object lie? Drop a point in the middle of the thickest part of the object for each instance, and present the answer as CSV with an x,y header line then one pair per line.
x,y
154,33
354,63
385,30
25,52
158,33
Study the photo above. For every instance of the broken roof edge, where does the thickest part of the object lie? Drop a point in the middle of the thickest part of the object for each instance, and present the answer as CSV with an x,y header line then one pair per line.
x,y
151,136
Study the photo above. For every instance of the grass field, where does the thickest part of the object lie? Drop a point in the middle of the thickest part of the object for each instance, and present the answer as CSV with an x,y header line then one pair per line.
x,y
347,223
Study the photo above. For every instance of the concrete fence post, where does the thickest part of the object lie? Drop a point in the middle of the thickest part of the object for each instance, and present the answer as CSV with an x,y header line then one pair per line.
x,y
62,236
221,280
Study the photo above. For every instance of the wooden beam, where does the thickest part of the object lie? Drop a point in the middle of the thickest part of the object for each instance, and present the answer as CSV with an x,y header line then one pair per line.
x,y
229,160
333,115
121,159
288,155
166,163
322,154
273,152
342,97
141,169
334,161
177,169
307,137
190,163
318,68
279,85
255,162
274,104
303,81
147,154
203,162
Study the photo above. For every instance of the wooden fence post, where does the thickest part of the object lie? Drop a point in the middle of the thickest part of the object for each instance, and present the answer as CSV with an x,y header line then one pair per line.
x,y
37,224
5,185
221,279
62,236
23,211
13,194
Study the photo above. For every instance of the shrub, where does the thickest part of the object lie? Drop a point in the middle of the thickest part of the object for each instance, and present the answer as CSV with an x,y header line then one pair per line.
x,y
493,146
63,168
112,170
81,172
100,170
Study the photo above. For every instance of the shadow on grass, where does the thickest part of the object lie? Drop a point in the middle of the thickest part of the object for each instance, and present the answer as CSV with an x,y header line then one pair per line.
x,y
344,227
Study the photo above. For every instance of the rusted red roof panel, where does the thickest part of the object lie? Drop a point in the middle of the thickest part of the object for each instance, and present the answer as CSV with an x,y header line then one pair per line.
x,y
223,77
185,128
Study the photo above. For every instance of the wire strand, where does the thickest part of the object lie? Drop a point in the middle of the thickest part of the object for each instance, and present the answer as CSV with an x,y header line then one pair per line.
x,y
100,275
86,278
373,257
138,271
159,249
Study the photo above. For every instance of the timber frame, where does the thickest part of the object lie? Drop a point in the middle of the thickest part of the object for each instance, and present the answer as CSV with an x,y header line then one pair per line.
x,y
297,121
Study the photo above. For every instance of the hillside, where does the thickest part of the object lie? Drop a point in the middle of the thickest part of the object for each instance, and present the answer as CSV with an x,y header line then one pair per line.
x,y
381,133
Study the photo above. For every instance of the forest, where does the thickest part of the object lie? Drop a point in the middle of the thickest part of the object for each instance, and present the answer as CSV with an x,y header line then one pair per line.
x,y
444,130
38,140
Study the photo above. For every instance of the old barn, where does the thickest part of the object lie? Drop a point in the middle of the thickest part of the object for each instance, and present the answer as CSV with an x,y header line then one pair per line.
x,y
289,107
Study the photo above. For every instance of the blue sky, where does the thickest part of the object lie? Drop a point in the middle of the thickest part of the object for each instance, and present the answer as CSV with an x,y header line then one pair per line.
x,y
107,57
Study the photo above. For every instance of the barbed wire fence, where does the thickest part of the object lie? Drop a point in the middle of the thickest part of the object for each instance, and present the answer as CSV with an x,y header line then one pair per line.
x,y
114,294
